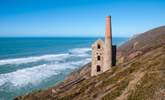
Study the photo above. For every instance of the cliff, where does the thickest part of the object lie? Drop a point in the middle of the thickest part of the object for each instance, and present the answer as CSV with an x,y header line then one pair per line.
x,y
138,75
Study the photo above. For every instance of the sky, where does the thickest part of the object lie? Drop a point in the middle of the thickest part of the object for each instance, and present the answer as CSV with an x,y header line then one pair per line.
x,y
79,18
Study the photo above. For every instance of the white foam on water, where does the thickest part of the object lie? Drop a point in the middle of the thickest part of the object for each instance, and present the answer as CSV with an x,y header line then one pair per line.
x,y
79,52
36,74
33,59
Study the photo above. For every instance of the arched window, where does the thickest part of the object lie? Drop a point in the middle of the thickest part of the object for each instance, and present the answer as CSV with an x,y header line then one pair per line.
x,y
98,46
98,58
98,68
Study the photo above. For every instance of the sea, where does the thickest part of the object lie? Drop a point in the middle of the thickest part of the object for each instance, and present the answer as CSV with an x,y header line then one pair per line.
x,y
31,64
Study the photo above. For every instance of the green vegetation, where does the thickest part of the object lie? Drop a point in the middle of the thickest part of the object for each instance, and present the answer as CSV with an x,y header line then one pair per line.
x,y
117,91
149,84
120,75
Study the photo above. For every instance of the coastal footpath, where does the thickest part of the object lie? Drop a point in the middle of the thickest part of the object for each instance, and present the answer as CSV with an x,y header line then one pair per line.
x,y
138,75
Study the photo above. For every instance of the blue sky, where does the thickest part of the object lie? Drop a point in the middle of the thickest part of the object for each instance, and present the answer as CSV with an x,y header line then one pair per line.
x,y
78,18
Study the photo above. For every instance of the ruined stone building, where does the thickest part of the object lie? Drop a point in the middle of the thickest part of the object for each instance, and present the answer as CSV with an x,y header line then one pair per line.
x,y
103,53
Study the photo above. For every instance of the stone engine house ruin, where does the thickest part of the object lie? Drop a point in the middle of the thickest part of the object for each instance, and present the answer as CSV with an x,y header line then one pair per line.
x,y
103,52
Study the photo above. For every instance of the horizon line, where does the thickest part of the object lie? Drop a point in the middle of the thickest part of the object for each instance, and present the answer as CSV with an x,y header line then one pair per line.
x,y
61,37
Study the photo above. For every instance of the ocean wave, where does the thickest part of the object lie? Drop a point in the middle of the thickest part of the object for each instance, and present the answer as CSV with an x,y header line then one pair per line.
x,y
79,52
37,74
33,59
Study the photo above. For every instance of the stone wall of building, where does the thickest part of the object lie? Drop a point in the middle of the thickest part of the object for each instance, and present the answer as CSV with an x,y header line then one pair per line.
x,y
102,52
97,57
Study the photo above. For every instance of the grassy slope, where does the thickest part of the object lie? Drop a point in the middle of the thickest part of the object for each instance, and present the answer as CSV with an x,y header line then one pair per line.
x,y
142,78
138,78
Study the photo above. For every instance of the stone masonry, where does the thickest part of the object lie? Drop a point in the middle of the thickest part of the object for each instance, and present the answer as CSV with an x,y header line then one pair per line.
x,y
102,52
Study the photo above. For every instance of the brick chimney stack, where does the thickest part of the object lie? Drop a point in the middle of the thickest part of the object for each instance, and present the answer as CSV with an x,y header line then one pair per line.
x,y
108,33
108,45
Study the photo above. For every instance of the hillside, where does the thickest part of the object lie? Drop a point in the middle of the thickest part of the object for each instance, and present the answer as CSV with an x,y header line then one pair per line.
x,y
142,43
138,75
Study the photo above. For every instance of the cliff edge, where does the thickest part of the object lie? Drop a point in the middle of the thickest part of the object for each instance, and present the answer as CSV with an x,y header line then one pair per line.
x,y
138,75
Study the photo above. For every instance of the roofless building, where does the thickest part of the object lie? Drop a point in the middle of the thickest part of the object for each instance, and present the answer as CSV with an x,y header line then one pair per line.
x,y
102,55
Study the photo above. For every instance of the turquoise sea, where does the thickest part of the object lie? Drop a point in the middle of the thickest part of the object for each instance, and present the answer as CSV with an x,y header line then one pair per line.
x,y
29,64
